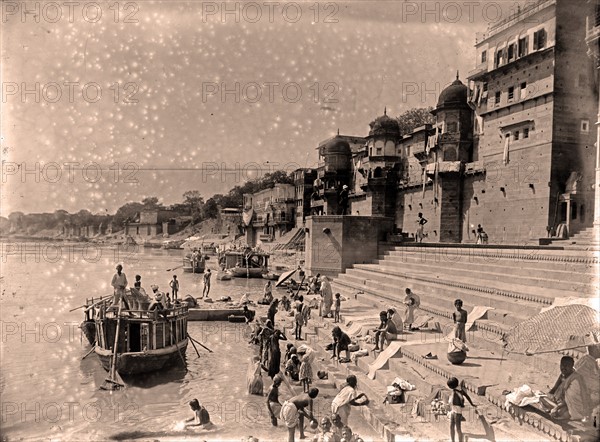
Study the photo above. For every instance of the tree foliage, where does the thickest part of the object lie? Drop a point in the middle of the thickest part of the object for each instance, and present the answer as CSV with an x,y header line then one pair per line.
x,y
193,204
193,200
415,117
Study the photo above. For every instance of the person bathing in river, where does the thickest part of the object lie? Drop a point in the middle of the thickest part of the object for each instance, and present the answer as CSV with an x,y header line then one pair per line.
x,y
293,412
273,404
201,417
273,310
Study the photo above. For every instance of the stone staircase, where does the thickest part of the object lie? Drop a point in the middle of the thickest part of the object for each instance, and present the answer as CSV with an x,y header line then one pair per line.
x,y
582,240
516,282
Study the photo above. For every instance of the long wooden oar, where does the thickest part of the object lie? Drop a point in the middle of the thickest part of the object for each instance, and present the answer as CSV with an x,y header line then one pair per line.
x,y
102,299
200,343
194,345
89,352
528,353
111,383
174,268
178,349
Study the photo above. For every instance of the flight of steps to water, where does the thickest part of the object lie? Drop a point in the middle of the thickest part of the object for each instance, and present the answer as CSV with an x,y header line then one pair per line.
x,y
517,283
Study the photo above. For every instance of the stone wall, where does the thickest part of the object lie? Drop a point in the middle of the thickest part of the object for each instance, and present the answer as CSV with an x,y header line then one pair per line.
x,y
412,201
576,105
335,243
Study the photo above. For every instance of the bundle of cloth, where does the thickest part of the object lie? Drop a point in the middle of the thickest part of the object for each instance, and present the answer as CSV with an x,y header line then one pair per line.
x,y
522,396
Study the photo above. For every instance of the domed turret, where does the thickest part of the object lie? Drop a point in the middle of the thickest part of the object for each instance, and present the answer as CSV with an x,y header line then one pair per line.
x,y
337,154
384,125
454,95
336,146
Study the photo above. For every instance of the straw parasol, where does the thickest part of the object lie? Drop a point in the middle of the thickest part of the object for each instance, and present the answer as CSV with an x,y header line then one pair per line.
x,y
559,328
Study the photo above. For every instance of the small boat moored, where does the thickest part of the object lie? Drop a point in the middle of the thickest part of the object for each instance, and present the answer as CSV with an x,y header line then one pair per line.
x,y
194,262
245,263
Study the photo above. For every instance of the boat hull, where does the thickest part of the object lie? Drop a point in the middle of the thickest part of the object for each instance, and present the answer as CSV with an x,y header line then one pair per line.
x,y
199,314
240,272
224,276
190,269
271,276
89,330
143,362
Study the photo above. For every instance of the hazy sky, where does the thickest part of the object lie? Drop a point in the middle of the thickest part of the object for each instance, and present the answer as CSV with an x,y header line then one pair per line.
x,y
194,98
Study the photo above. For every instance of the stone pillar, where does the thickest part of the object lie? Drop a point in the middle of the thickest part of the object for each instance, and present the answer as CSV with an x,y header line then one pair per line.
x,y
335,243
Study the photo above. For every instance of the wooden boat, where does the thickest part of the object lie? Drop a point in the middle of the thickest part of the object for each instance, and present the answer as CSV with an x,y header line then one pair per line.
x,y
217,314
147,341
271,276
245,263
173,244
189,266
224,275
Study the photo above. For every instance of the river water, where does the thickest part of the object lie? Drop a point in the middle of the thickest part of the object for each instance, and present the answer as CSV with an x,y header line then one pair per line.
x,y
48,393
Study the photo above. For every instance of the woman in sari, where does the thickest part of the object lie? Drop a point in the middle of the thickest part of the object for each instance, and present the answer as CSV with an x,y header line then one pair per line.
x,y
327,295
275,353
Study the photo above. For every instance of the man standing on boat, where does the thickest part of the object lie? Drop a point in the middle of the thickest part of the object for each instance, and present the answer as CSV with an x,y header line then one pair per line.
x,y
119,283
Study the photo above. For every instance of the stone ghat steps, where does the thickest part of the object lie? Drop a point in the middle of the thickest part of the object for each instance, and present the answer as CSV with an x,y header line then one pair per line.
x,y
565,276
490,330
496,293
382,302
439,298
498,288
577,277
487,253
398,419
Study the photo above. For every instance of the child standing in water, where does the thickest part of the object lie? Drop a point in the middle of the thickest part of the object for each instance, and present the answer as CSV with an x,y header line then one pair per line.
x,y
305,374
457,404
